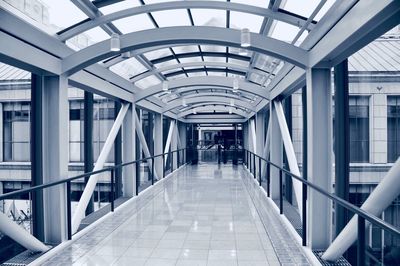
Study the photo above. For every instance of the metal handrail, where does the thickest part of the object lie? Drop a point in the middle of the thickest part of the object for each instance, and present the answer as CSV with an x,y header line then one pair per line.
x,y
351,207
59,182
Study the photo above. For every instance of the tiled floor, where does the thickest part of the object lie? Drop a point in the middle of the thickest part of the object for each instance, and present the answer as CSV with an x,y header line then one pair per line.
x,y
203,215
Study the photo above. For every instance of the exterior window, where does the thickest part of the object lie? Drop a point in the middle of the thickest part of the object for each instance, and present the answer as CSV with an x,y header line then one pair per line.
x,y
359,129
103,120
393,131
16,132
76,131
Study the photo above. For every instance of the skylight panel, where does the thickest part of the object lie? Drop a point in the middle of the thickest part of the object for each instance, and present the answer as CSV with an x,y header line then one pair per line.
x,y
181,76
259,3
303,8
185,49
134,23
87,38
166,63
240,20
190,59
209,17
118,6
284,32
214,59
128,68
213,48
170,18
147,82
158,53
238,62
197,74
324,9
48,15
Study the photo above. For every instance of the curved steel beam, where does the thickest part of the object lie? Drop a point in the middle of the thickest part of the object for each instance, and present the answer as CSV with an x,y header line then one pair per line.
x,y
119,58
212,94
210,89
196,64
213,81
145,9
195,54
202,99
212,109
207,69
184,35
243,109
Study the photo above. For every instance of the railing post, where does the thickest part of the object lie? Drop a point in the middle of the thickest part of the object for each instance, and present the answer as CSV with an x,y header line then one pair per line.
x,y
152,170
163,165
69,216
268,179
254,166
137,177
247,160
172,161
361,241
304,216
259,169
280,192
112,190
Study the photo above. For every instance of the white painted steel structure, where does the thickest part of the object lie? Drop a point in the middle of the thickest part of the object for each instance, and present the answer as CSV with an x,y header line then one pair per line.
x,y
274,69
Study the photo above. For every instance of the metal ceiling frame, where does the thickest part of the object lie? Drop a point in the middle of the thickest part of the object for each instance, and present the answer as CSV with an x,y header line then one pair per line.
x,y
212,81
211,94
212,109
204,99
211,104
204,90
196,64
148,8
184,35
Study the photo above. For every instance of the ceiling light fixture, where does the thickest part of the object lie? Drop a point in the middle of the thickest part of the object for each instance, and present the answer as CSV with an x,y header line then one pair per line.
x,y
232,102
245,37
230,110
115,43
184,104
194,111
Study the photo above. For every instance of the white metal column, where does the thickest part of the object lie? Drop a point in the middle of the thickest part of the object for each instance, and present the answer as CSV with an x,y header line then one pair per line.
x,y
55,156
266,150
319,161
260,132
169,138
381,198
91,184
252,135
143,143
128,152
182,141
246,135
158,143
290,154
174,145
276,152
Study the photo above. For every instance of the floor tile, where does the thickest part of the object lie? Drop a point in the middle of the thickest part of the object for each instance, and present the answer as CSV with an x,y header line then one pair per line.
x,y
206,214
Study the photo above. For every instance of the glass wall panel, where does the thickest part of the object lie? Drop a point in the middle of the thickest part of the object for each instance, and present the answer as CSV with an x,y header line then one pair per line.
x,y
15,170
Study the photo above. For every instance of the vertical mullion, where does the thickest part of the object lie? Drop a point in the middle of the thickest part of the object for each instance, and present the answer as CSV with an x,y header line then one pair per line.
x,y
342,141
36,150
88,141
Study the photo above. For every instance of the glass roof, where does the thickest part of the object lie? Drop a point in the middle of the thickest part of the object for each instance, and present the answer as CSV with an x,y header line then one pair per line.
x,y
51,17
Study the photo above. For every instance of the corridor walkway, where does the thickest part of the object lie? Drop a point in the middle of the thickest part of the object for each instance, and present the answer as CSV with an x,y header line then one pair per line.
x,y
201,215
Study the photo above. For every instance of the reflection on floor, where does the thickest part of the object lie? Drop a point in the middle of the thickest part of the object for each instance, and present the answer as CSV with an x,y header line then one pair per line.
x,y
202,215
